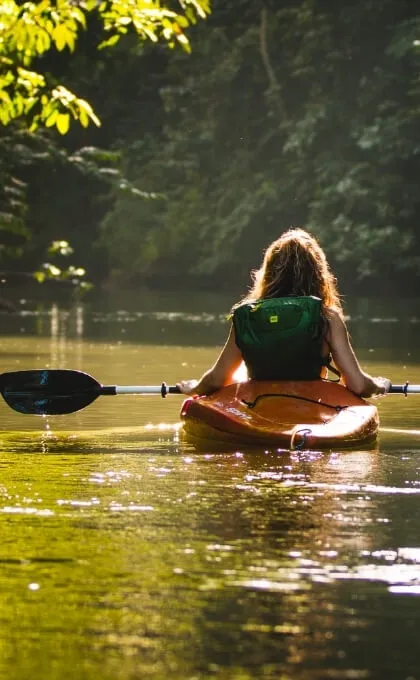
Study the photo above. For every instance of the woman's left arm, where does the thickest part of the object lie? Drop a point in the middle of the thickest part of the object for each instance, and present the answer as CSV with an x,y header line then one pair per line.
x,y
220,374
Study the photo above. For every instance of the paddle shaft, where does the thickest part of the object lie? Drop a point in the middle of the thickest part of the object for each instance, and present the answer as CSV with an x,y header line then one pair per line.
x,y
405,389
162,389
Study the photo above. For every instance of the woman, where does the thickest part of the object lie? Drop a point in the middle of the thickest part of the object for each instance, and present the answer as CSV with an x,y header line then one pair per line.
x,y
290,325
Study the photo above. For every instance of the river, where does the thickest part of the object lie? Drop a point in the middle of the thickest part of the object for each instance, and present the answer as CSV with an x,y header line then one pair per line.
x,y
127,553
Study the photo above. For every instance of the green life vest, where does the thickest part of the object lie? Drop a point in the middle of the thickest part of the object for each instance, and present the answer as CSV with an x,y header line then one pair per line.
x,y
281,338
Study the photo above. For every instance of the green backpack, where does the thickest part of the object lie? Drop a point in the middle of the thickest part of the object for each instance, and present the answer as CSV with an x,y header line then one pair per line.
x,y
281,338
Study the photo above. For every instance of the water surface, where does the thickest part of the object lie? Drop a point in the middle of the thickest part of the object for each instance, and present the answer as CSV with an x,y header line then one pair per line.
x,y
127,553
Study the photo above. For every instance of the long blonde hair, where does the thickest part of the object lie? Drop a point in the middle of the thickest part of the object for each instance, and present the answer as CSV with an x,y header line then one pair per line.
x,y
295,264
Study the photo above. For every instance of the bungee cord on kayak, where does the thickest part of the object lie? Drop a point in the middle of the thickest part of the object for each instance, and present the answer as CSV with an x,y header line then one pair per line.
x,y
252,404
302,432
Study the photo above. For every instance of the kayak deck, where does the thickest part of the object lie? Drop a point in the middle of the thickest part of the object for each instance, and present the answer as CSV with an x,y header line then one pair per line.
x,y
289,414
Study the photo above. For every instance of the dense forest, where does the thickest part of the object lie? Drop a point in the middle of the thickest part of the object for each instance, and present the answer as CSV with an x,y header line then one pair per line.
x,y
285,113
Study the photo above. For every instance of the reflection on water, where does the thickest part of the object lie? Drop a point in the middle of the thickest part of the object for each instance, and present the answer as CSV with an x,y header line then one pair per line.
x,y
127,553
181,565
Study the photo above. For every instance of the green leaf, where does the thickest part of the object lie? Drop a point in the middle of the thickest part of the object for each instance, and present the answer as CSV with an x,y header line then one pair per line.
x,y
109,42
51,270
60,36
60,247
51,119
40,276
83,118
63,123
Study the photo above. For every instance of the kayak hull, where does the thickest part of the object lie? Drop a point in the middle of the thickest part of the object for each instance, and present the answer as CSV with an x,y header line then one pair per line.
x,y
313,414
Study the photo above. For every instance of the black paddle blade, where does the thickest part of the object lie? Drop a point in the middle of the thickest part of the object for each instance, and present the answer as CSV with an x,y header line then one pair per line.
x,y
48,392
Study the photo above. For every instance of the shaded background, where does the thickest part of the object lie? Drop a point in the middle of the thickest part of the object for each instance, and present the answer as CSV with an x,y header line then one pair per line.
x,y
298,112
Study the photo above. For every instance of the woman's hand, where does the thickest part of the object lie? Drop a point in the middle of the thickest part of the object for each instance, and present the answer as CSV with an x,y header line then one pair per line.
x,y
187,386
383,385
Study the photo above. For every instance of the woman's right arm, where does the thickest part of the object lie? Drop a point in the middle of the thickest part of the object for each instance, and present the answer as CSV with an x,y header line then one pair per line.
x,y
354,378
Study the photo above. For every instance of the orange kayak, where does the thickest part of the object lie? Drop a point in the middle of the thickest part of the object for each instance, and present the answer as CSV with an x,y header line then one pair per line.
x,y
289,414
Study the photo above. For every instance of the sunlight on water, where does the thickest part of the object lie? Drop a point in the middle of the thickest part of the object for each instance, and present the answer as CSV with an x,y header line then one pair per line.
x,y
399,430
129,553
94,441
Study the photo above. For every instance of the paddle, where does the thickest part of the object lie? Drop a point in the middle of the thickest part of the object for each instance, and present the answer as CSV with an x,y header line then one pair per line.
x,y
60,391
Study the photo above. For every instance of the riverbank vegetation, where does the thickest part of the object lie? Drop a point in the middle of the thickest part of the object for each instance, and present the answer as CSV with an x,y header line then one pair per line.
x,y
299,112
